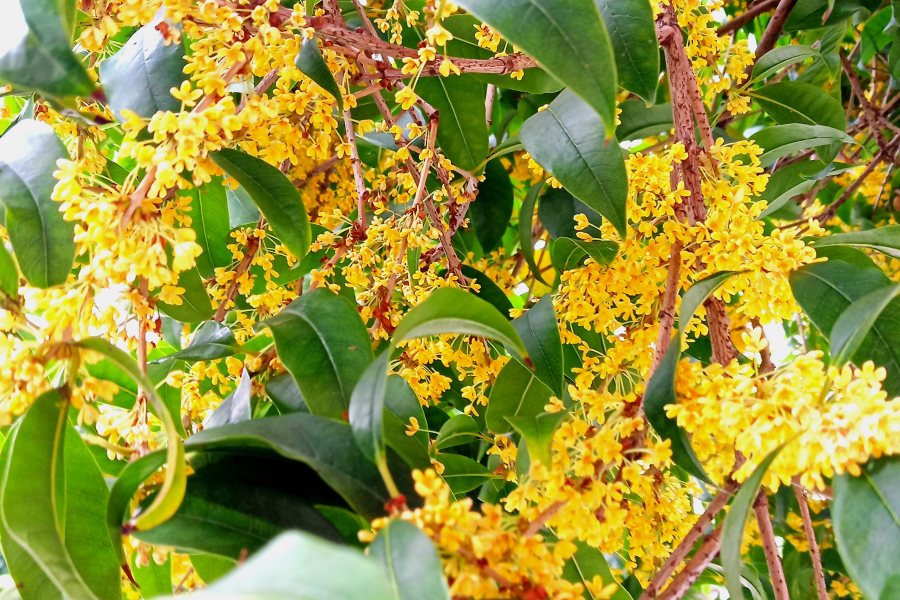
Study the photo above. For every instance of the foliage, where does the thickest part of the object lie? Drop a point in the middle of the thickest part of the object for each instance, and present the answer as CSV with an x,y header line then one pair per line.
x,y
420,299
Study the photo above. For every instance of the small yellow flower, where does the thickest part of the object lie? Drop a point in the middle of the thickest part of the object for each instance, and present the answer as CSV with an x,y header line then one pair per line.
x,y
406,98
413,426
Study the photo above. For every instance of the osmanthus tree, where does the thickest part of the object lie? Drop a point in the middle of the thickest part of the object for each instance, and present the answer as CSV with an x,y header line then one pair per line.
x,y
426,300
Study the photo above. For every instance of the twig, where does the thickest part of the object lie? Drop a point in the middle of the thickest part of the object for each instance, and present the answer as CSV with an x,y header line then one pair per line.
x,y
243,266
813,544
489,104
695,567
144,290
320,168
262,87
776,572
362,194
741,20
542,519
773,29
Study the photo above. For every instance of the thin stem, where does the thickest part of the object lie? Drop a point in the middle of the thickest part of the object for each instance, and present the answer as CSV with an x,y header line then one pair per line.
x,y
776,572
751,13
813,544
695,567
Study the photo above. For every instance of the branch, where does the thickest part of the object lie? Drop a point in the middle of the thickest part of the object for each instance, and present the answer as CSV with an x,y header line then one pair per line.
x,y
813,544
741,20
776,572
320,168
695,566
773,29
243,266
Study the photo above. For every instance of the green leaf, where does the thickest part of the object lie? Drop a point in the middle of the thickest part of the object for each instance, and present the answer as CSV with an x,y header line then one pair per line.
x,y
44,242
139,76
794,102
451,310
808,14
516,393
127,484
211,568
857,321
632,32
154,580
33,494
866,518
465,45
277,198
171,396
348,523
538,432
324,344
568,140
459,430
490,213
883,239
788,195
825,290
195,303
210,221
310,62
367,408
235,408
462,473
526,219
733,526
540,334
211,341
38,54
9,273
638,121
325,445
589,562
567,38
660,389
783,140
463,134
284,393
488,290
236,504
411,563
557,209
570,253
299,566
779,58
242,212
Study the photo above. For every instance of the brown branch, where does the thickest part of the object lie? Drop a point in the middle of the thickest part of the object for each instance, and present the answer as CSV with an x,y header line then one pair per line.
x,y
695,567
765,355
752,12
870,115
320,168
144,290
243,266
850,190
489,104
814,553
776,572
261,88
362,194
773,29
542,519
338,253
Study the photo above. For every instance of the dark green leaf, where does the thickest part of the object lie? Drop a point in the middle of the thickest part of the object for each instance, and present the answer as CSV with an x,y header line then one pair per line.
x,y
462,473
587,563
570,253
733,526
526,218
348,524
401,402
783,140
794,102
211,341
127,484
38,50
299,566
367,408
660,389
310,62
283,391
463,134
568,140
235,408
411,563
324,344
490,213
139,76
459,430
274,195
557,209
808,14
567,37
540,334
211,568
195,303
857,321
517,392
538,432
866,518
241,210
779,58
154,580
488,290
632,31
44,242
639,121
210,221
883,239
451,310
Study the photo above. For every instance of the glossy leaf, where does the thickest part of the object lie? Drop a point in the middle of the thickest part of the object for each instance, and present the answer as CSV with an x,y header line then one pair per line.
x,y
273,193
44,242
782,140
400,406
195,303
557,209
324,344
660,389
883,239
139,76
796,102
517,392
311,63
37,54
570,253
526,219
857,321
490,213
153,580
235,408
292,566
589,562
462,473
459,430
463,134
367,408
733,526
325,445
567,37
568,140
242,212
538,432
284,393
810,14
638,121
451,310
124,489
632,31
540,334
780,58
211,341
210,221
411,563
779,201
488,290
825,290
